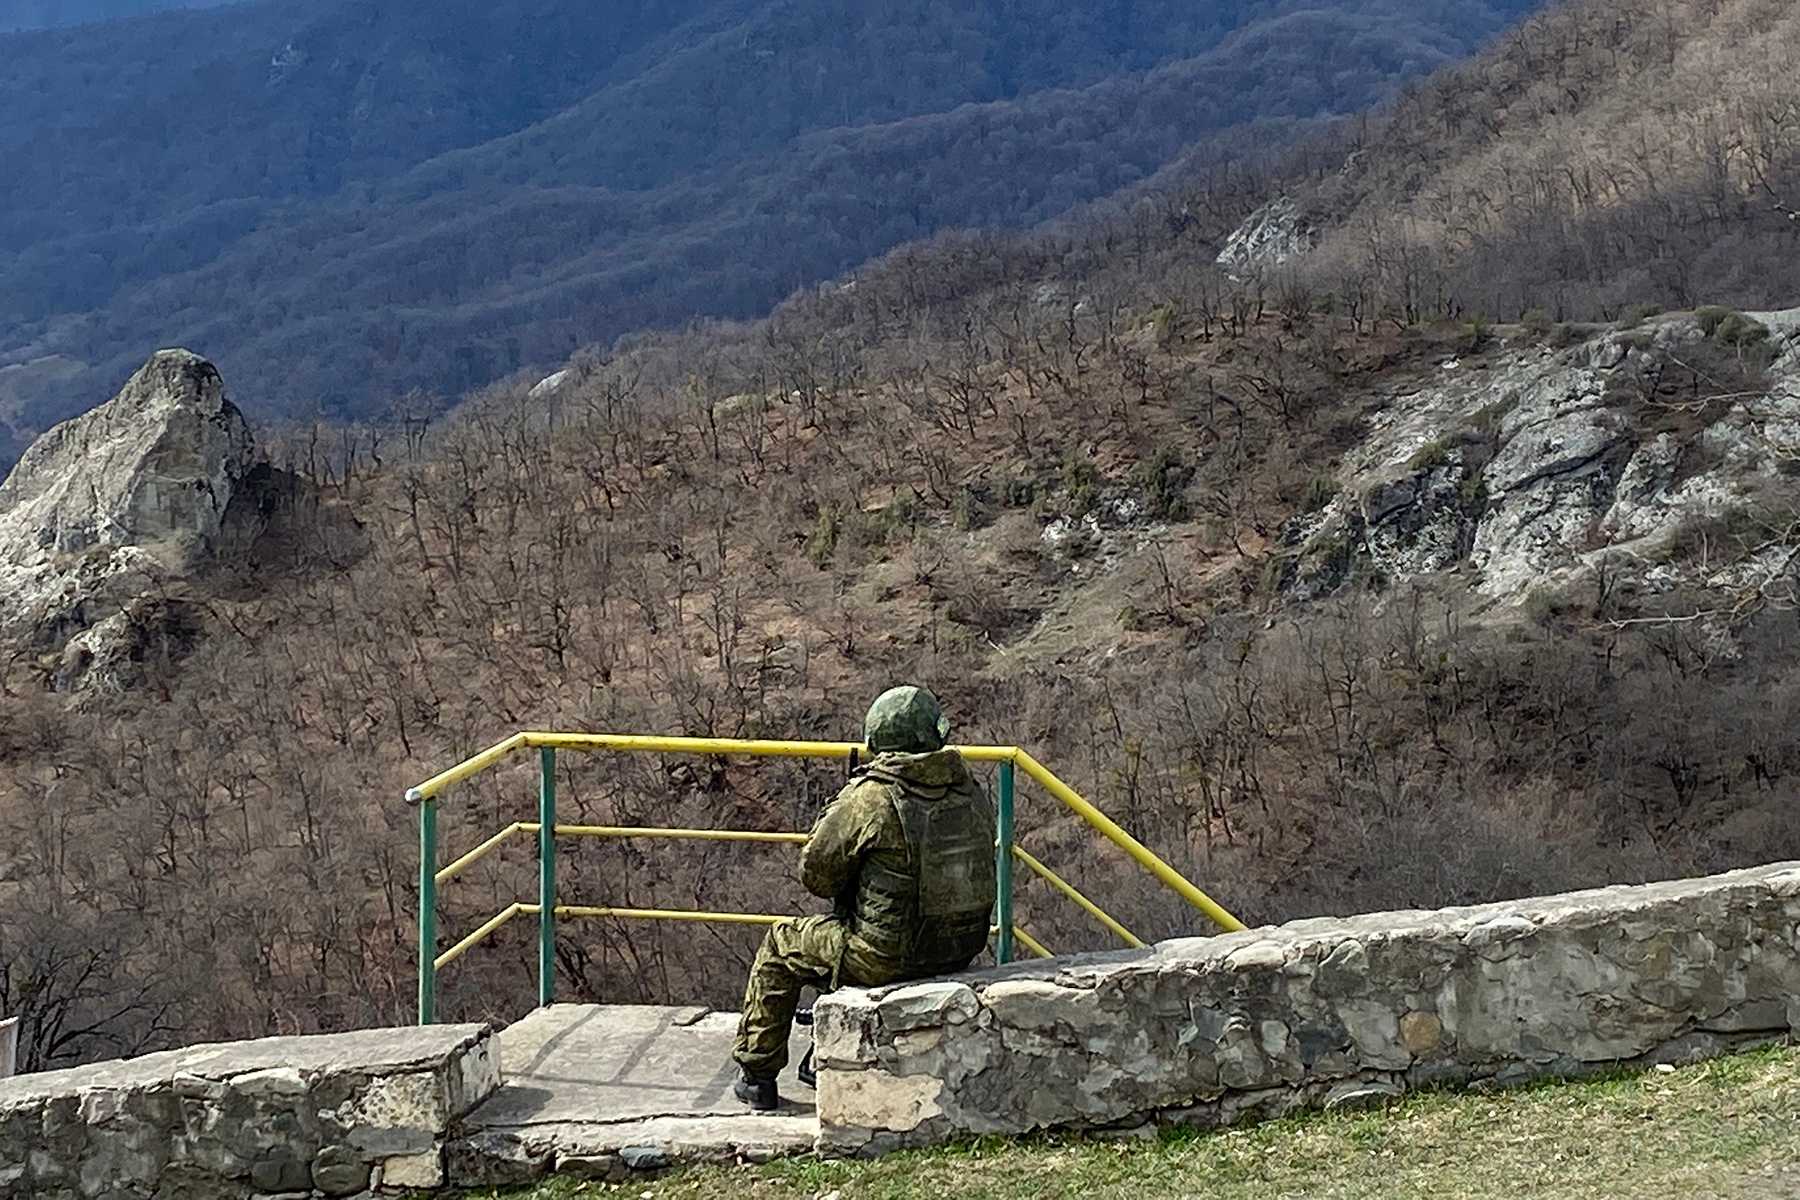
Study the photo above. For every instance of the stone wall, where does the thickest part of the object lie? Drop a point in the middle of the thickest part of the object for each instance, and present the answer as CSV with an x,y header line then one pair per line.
x,y
339,1115
1207,1031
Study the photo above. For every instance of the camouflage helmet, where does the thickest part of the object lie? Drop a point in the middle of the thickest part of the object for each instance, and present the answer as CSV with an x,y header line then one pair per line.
x,y
907,720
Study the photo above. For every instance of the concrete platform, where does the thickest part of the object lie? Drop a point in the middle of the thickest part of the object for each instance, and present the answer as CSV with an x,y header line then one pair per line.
x,y
603,1090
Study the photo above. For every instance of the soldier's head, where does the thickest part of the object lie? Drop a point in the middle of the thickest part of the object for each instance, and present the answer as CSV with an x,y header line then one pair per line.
x,y
905,720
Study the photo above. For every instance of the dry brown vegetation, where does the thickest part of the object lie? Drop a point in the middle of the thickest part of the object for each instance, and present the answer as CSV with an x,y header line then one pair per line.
x,y
1603,157
1045,476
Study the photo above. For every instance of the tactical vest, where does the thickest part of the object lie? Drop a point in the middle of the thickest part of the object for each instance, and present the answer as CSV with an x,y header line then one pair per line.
x,y
931,911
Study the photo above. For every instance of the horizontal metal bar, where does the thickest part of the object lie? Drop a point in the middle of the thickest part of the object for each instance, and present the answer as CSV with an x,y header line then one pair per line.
x,y
752,748
659,914
643,744
461,771
478,853
1031,943
1174,879
1066,888
474,939
631,743
657,831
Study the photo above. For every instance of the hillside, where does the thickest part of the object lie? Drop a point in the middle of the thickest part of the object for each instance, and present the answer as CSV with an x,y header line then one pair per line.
x,y
1339,605
377,201
16,15
1601,161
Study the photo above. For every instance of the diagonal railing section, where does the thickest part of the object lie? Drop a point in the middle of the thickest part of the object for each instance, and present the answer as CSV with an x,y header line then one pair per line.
x,y
1010,760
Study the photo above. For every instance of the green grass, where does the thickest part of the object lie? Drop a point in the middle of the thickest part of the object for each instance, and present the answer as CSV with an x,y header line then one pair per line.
x,y
1729,1128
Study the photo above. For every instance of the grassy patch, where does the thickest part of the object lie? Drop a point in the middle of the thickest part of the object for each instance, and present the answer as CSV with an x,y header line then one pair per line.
x,y
1728,1129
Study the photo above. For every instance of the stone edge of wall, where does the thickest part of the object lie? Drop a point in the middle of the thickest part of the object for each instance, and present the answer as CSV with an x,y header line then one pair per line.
x,y
1317,1013
331,1115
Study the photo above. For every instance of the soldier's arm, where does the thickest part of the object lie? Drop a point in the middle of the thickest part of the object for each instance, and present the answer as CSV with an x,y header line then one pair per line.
x,y
843,835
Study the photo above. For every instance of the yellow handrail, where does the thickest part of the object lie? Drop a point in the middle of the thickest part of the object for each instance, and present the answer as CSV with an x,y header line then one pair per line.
x,y
783,749
464,769
643,744
480,852
1175,880
1066,888
469,943
1031,943
657,914
426,793
657,831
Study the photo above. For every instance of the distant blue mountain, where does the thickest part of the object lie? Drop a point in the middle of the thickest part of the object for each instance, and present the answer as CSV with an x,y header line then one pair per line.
x,y
55,14
342,200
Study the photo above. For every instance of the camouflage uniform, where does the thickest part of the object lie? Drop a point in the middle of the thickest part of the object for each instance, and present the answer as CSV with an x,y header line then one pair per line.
x,y
906,854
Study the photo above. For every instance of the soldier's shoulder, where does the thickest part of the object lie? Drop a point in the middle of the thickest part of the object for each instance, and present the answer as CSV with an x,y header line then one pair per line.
x,y
871,795
867,787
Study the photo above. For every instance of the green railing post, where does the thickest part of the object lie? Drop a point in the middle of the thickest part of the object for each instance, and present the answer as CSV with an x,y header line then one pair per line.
x,y
546,875
1003,868
427,911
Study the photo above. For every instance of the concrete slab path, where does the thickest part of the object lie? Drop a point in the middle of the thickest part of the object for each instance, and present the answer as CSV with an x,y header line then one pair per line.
x,y
605,1089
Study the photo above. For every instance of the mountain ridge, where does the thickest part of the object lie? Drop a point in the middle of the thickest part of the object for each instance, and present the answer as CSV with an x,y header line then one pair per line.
x,y
698,132
27,15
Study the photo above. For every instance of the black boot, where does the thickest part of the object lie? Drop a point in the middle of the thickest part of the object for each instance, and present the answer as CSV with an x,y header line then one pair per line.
x,y
807,1073
759,1094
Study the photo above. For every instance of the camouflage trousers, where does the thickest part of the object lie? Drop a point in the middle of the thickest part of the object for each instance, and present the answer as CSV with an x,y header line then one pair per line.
x,y
796,954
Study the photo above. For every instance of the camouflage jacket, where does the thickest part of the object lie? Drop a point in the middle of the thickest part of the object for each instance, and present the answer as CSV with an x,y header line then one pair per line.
x,y
905,853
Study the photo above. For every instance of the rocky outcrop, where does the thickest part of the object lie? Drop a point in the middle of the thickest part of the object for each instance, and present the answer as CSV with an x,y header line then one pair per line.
x,y
1535,467
1320,1013
336,1115
115,504
1274,234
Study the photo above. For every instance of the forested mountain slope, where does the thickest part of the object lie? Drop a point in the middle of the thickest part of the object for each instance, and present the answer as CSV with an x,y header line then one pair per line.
x,y
343,201
1604,158
50,14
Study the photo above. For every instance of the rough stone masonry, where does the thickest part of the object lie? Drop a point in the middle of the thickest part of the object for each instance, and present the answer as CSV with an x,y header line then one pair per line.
x,y
337,1115
1207,1031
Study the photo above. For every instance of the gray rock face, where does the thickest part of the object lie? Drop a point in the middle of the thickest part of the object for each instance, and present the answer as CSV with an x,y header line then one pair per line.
x,y
1538,467
299,1116
153,467
1319,1013
1274,234
105,506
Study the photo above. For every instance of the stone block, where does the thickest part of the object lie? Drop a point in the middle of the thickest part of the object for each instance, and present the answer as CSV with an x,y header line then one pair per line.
x,y
1040,1005
923,1004
340,1171
644,1158
877,1100
281,1171
413,1170
845,1031
272,1083
1421,1033
494,1160
605,1168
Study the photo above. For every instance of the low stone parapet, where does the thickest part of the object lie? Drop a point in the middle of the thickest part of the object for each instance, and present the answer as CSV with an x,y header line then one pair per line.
x,y
335,1115
1207,1031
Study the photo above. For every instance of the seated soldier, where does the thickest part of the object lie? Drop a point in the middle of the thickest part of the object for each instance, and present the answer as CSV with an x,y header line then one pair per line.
x,y
906,854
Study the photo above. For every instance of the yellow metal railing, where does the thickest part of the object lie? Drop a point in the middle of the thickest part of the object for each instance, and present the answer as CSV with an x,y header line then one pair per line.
x,y
1008,758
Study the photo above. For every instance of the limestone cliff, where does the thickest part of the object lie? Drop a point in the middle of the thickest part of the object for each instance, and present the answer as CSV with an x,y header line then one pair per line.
x,y
116,503
1275,234
1656,459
